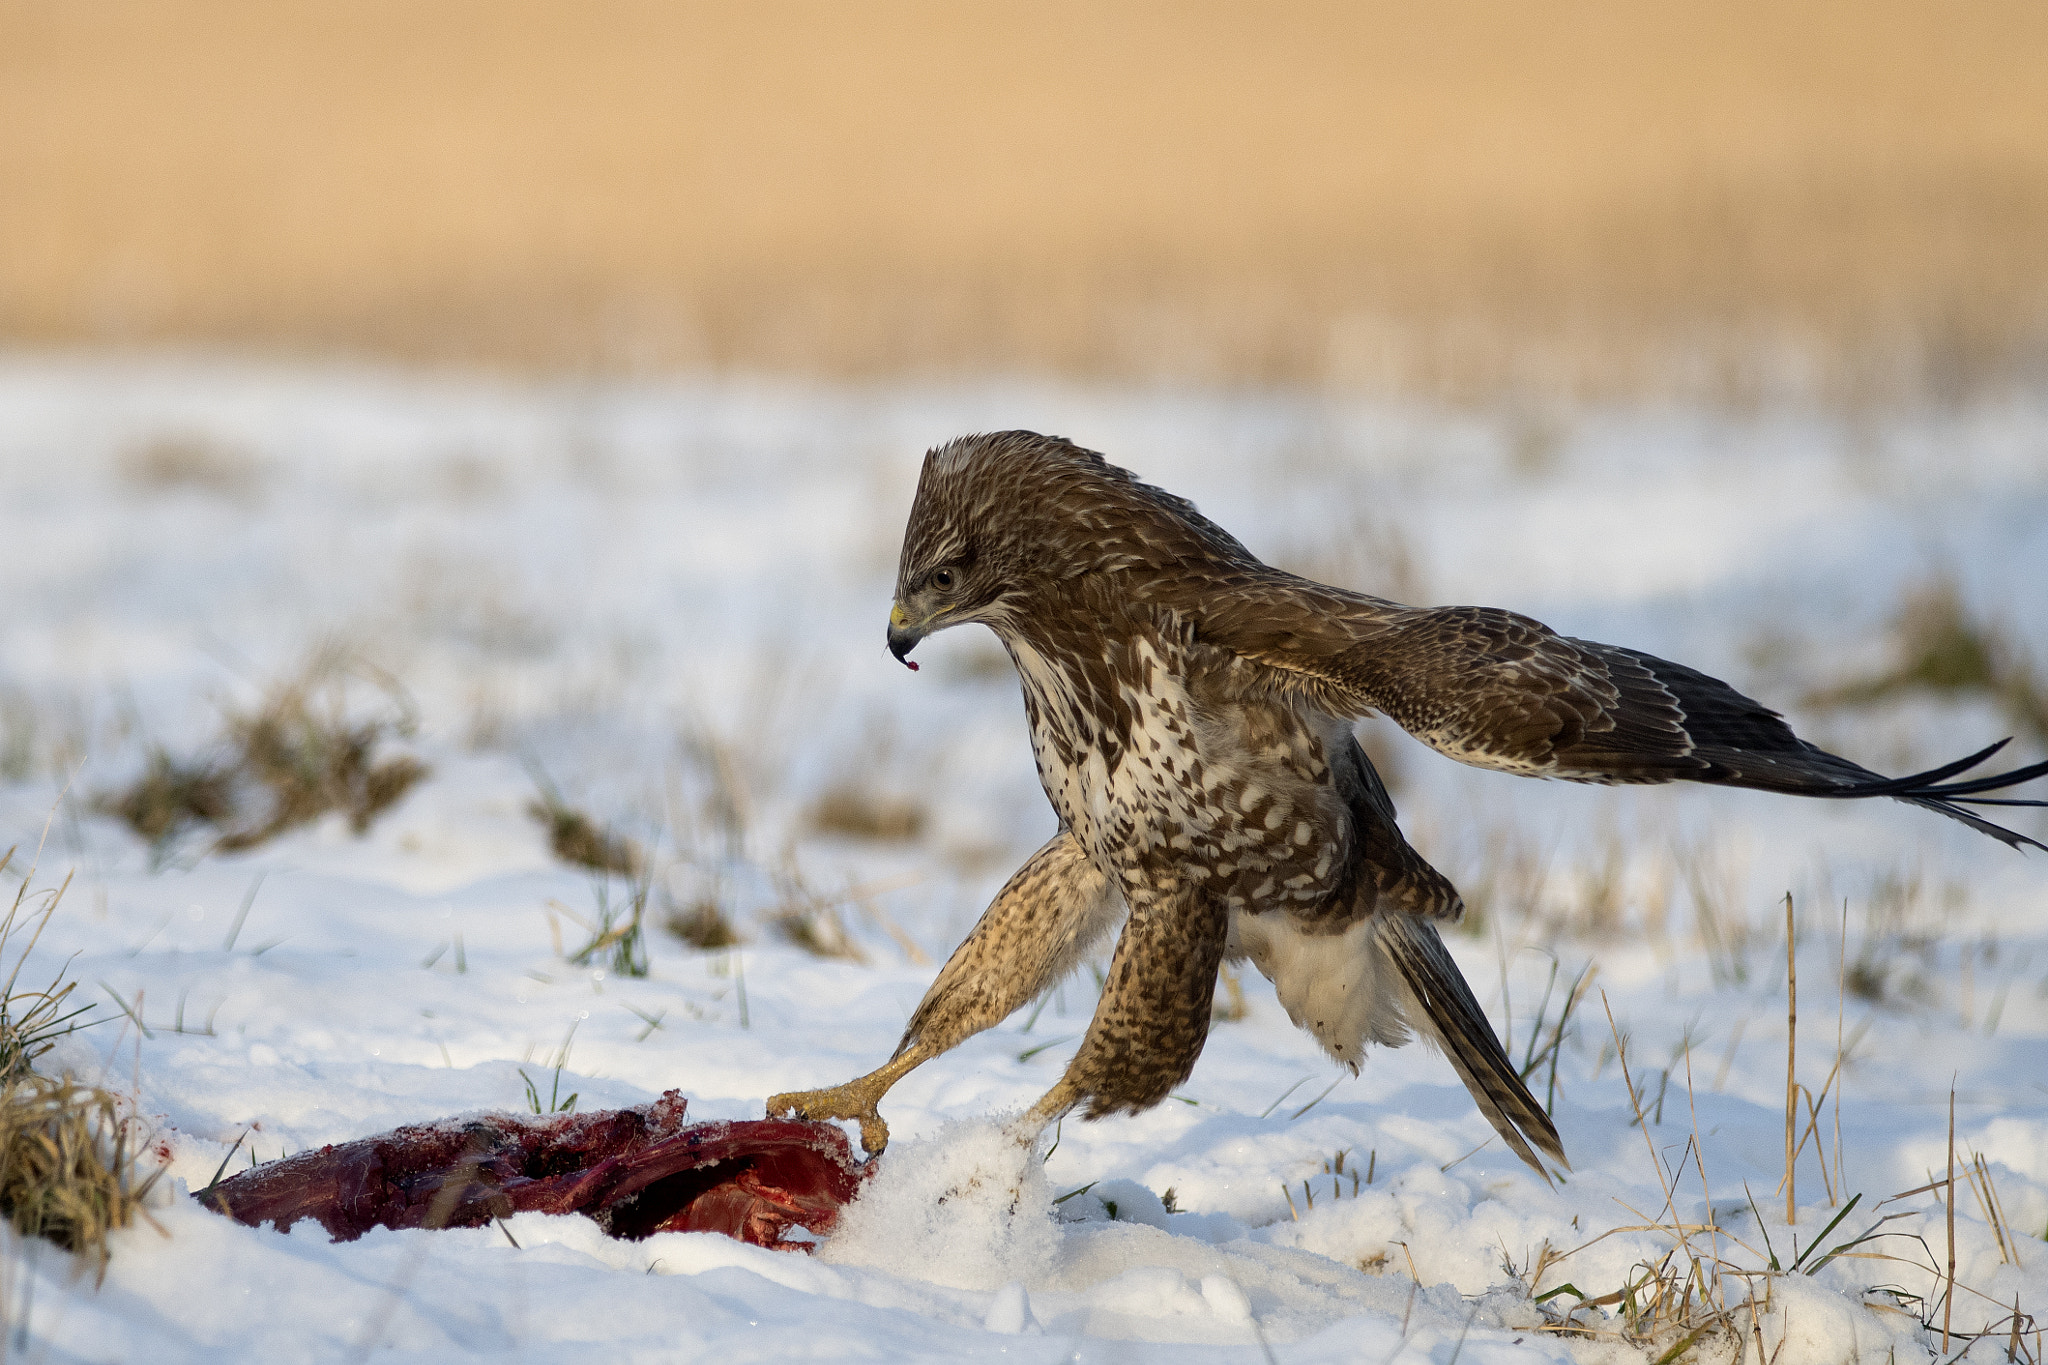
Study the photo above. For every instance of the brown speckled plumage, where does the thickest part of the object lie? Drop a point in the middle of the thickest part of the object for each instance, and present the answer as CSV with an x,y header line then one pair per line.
x,y
1190,713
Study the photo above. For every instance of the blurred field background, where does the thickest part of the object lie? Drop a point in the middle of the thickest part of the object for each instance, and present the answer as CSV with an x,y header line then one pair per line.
x,y
1472,201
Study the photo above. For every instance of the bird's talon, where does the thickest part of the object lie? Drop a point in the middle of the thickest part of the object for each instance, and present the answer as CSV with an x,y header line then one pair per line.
x,y
874,1133
849,1101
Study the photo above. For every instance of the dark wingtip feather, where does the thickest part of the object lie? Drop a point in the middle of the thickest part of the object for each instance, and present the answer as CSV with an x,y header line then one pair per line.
x,y
2010,838
1916,784
1995,782
1931,791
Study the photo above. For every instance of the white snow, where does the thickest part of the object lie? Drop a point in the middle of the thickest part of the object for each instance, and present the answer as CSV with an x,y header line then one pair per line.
x,y
671,599
968,1207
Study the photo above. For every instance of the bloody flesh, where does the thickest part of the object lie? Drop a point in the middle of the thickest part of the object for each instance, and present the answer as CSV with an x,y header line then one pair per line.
x,y
635,1171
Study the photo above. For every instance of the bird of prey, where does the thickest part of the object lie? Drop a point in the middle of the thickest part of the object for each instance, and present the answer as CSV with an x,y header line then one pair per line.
x,y
1191,713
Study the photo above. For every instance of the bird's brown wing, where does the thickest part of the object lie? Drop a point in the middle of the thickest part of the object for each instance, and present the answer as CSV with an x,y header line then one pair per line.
x,y
1499,690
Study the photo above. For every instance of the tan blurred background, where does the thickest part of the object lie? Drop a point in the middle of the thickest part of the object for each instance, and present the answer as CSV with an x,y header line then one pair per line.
x,y
1468,199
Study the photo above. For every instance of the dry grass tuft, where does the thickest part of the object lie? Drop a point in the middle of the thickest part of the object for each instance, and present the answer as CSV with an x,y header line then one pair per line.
x,y
1940,648
187,461
869,794
811,920
1713,1294
576,838
1668,1305
31,1022
1662,1308
1897,956
702,923
172,795
865,813
67,1171
303,752
299,756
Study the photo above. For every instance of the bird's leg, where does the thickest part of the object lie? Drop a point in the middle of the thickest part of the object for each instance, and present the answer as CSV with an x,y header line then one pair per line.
x,y
1052,1106
1040,925
1153,1017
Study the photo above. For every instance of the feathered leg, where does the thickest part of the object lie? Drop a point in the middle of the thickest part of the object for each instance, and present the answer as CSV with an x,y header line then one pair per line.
x,y
1038,928
1153,1017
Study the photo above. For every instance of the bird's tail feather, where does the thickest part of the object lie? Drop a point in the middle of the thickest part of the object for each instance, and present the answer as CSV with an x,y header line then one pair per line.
x,y
1444,1011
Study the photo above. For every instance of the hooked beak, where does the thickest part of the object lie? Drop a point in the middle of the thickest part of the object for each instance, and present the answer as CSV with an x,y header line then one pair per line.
x,y
903,636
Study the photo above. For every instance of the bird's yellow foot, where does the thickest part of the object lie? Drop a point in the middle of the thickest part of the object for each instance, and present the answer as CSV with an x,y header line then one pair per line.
x,y
855,1100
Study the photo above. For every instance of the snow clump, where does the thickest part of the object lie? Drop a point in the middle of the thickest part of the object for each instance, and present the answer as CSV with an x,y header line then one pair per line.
x,y
968,1207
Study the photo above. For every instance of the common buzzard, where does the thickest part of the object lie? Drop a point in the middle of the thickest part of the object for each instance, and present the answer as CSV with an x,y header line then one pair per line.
x,y
1191,712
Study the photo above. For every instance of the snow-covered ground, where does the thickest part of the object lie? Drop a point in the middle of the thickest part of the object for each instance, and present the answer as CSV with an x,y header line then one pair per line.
x,y
670,600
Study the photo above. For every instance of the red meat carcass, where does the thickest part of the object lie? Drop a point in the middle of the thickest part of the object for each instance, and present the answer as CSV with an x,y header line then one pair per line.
x,y
635,1171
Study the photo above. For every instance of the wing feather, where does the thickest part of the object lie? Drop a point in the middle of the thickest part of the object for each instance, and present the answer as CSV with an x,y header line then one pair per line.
x,y
1499,690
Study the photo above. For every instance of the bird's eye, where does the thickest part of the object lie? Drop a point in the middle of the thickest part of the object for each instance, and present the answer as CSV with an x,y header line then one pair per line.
x,y
944,579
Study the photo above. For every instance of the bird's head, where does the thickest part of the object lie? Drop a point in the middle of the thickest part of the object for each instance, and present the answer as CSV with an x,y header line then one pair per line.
x,y
1001,520
981,530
